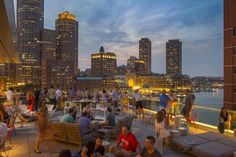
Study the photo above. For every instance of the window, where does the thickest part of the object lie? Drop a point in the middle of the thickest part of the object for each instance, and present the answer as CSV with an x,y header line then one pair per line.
x,y
234,51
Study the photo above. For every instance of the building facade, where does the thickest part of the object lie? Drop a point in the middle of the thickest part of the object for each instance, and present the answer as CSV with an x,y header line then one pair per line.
x,y
95,83
103,64
139,67
48,55
153,82
145,54
174,57
131,63
30,20
8,59
58,73
230,54
67,39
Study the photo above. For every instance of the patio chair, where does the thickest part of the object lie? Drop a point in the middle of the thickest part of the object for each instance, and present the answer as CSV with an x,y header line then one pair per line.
x,y
58,130
74,135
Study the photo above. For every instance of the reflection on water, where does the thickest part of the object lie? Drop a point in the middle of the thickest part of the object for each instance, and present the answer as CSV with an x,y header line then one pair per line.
x,y
206,109
210,99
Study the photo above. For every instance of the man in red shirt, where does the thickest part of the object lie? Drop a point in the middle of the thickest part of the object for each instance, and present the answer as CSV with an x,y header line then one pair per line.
x,y
128,141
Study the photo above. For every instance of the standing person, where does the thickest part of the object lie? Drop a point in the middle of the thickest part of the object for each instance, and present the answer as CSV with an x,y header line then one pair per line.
x,y
187,109
164,100
224,120
42,127
58,96
36,100
17,107
149,150
30,99
138,102
115,98
104,95
71,93
171,104
52,96
42,96
10,96
162,133
125,100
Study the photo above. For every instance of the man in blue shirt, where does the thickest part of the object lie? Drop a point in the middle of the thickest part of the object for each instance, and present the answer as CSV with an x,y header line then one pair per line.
x,y
164,100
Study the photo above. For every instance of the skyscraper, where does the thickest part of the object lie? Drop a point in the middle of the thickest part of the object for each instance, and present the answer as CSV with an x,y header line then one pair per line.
x,y
103,64
67,39
230,54
145,53
131,63
48,55
30,18
174,57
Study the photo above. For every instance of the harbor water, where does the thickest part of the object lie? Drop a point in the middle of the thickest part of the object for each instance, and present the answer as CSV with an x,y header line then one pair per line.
x,y
207,106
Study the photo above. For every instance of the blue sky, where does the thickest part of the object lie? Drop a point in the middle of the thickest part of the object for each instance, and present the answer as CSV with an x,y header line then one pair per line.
x,y
119,24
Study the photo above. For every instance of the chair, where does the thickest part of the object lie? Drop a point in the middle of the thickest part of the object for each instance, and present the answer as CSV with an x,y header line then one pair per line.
x,y
74,135
58,130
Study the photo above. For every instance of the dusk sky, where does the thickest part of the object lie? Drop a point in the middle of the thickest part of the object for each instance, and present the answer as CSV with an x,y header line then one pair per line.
x,y
119,24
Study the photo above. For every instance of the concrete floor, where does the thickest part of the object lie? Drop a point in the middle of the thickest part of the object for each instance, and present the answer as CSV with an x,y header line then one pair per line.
x,y
23,141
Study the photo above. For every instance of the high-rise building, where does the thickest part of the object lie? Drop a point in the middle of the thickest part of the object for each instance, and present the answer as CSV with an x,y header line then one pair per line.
x,y
30,18
67,39
174,57
139,67
48,44
230,54
48,56
131,63
8,57
58,73
145,54
103,64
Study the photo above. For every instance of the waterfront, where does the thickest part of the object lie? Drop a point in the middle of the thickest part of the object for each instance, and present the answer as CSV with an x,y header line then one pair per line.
x,y
206,106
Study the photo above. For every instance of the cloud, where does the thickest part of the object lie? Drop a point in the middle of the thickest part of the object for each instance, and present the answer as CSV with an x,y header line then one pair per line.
x,y
118,26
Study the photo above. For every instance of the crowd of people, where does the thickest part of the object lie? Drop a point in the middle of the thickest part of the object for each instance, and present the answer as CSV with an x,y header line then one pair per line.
x,y
127,144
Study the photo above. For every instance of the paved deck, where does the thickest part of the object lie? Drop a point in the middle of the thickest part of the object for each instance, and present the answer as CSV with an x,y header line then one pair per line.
x,y
23,141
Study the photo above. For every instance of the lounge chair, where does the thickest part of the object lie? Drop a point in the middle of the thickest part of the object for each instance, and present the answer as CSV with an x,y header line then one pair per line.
x,y
213,149
186,143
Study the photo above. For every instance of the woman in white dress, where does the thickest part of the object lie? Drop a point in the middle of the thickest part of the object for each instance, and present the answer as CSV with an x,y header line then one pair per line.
x,y
162,133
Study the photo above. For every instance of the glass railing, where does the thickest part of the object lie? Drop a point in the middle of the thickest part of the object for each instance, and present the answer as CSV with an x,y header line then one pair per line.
x,y
202,114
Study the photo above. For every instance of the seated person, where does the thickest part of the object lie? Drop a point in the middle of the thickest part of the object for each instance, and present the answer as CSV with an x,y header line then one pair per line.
x,y
3,114
149,150
224,120
65,153
87,110
110,119
93,148
68,118
84,122
128,141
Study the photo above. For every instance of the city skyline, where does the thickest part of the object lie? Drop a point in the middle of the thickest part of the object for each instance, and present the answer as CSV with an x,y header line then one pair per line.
x,y
116,26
